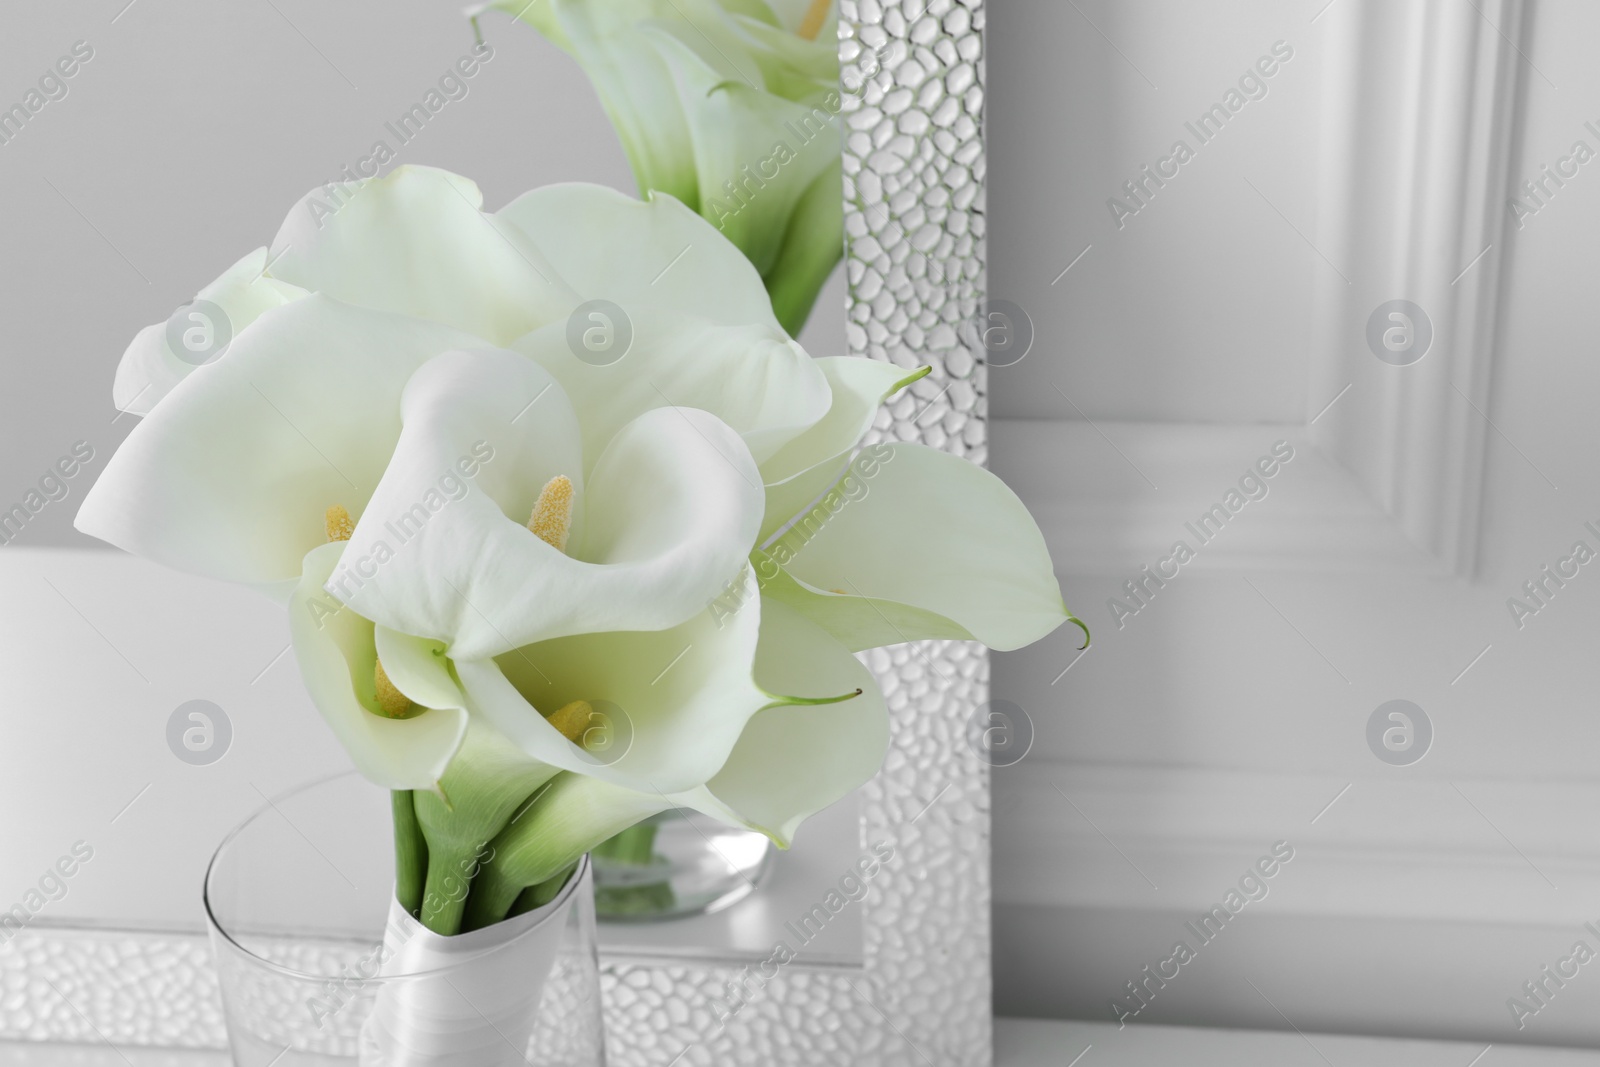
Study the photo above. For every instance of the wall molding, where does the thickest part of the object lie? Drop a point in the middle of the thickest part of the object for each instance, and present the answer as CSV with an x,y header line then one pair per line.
x,y
1392,847
1118,495
1413,207
1409,440
1403,912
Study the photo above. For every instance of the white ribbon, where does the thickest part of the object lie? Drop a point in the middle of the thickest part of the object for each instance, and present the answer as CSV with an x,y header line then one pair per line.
x,y
471,1000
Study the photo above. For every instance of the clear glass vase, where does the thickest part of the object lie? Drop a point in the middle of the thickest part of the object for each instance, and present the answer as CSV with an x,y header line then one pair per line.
x,y
317,965
677,864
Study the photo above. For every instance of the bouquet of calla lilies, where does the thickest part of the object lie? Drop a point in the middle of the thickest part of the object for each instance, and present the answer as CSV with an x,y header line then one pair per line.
x,y
571,531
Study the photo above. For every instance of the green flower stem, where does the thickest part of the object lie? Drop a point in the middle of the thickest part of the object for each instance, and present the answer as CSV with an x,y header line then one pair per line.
x,y
449,881
635,845
634,901
487,783
537,896
812,247
495,894
571,817
410,852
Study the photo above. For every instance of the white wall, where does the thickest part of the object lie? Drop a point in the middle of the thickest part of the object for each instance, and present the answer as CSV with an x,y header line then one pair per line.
x,y
1207,275
1228,713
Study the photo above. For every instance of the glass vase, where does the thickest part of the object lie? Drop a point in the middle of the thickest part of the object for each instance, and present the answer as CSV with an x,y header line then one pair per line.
x,y
677,864
318,965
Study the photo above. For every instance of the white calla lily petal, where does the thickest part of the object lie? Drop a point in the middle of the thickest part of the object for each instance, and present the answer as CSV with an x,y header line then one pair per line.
x,y
805,467
415,242
653,253
752,377
660,526
150,368
858,387
929,531
859,622
798,495
791,762
668,705
336,652
436,552
419,668
230,476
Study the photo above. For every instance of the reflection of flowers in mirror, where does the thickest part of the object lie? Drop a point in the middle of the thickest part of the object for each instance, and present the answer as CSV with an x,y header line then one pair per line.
x,y
742,187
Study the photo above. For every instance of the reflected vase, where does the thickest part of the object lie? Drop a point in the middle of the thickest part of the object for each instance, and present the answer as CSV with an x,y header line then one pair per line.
x,y
675,865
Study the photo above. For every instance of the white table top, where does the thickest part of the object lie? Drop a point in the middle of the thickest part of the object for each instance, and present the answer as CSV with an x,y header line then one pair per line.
x,y
1038,1043
1041,1043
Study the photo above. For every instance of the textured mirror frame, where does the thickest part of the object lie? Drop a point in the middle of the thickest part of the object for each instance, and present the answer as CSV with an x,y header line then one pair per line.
x,y
913,96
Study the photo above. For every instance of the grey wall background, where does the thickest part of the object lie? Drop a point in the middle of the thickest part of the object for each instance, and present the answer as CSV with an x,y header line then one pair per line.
x,y
1196,309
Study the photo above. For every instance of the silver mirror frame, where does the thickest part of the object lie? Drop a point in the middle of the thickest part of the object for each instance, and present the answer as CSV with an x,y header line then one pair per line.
x,y
913,82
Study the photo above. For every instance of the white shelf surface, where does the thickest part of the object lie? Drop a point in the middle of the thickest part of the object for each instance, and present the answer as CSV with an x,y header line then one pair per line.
x,y
1047,1043
1041,1043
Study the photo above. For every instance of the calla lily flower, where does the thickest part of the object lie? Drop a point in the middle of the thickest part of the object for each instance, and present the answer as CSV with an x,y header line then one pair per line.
x,y
649,531
731,107
230,475
414,243
151,367
902,542
338,652
238,458
912,543
733,750
757,717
